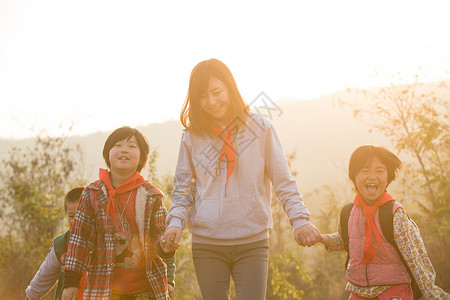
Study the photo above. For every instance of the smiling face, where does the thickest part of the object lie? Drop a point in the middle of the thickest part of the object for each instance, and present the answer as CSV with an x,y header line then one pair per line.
x,y
124,156
372,180
215,101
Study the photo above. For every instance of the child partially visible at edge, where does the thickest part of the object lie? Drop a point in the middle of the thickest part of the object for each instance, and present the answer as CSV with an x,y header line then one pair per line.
x,y
375,270
51,270
118,226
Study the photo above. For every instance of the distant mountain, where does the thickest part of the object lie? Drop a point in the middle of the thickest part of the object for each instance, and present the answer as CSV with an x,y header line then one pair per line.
x,y
322,133
163,137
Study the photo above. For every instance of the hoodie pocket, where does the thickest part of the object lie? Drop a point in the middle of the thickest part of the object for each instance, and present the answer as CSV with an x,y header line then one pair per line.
x,y
230,218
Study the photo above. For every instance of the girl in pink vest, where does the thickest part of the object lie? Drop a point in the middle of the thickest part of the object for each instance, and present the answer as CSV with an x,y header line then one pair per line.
x,y
375,269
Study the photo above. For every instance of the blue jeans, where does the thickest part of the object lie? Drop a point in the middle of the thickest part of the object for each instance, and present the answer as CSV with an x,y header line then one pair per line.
x,y
247,264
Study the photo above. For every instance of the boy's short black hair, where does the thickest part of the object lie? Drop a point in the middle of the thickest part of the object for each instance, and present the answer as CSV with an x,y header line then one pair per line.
x,y
73,196
123,133
364,155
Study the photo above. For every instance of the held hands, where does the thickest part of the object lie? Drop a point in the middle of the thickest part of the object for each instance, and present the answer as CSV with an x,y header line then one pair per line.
x,y
171,239
307,235
69,293
325,240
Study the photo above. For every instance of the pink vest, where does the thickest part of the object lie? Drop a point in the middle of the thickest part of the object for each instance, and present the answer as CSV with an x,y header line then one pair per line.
x,y
382,270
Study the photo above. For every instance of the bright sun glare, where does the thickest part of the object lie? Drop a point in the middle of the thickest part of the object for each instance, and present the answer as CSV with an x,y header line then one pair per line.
x,y
103,64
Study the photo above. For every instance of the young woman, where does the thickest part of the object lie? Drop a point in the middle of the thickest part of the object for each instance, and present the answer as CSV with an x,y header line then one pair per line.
x,y
228,157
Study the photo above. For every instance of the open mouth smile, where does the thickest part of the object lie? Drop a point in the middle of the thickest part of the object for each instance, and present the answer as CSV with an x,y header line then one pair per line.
x,y
372,187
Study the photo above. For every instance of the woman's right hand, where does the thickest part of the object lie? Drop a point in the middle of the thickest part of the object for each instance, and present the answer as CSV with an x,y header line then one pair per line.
x,y
69,293
307,235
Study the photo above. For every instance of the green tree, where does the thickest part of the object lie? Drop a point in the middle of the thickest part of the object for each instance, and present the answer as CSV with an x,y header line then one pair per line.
x,y
281,234
288,277
186,286
328,268
34,181
416,118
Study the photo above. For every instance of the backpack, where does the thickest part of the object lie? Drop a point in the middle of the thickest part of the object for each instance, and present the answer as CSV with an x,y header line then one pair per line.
x,y
386,219
60,246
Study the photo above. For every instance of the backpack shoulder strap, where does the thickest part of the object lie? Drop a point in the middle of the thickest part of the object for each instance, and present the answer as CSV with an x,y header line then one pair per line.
x,y
60,245
386,218
343,221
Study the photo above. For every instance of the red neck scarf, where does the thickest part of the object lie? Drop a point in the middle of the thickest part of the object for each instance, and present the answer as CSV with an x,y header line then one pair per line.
x,y
130,184
227,150
370,226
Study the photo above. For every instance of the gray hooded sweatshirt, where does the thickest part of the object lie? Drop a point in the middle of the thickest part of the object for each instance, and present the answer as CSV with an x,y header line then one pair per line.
x,y
241,214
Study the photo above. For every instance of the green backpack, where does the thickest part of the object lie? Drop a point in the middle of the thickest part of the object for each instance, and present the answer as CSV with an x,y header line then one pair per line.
x,y
60,244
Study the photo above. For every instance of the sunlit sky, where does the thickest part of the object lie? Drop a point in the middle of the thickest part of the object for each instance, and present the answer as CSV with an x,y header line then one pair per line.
x,y
104,64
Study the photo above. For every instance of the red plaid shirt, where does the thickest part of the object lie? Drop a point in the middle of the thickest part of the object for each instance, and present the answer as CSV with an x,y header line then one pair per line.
x,y
91,244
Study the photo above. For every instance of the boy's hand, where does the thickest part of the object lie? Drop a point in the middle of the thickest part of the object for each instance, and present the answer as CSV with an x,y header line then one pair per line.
x,y
171,239
171,291
307,235
69,293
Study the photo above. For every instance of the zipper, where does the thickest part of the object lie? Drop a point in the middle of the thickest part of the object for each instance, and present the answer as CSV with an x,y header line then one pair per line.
x,y
367,277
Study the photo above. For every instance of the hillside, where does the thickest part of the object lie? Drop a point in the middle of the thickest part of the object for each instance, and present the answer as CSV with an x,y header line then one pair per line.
x,y
322,133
